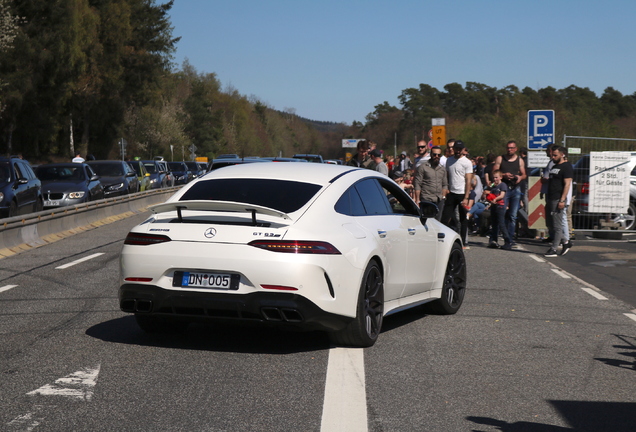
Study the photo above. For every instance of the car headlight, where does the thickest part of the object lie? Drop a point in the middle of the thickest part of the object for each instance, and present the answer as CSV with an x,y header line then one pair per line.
x,y
1,197
114,187
152,181
76,195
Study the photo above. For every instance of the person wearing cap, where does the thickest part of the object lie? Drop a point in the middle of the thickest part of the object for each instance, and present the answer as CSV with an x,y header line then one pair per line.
x,y
460,176
380,166
398,177
431,181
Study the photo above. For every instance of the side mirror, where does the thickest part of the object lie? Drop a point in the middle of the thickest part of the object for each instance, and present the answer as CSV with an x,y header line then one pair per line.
x,y
427,210
22,180
94,177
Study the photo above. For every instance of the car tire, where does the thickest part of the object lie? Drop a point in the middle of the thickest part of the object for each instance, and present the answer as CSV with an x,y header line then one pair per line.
x,y
454,287
39,205
364,330
627,220
153,324
13,209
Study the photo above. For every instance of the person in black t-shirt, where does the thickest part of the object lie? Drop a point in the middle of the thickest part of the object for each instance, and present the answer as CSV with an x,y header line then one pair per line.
x,y
558,186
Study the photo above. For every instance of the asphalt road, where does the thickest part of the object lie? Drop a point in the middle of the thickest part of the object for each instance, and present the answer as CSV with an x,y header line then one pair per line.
x,y
532,349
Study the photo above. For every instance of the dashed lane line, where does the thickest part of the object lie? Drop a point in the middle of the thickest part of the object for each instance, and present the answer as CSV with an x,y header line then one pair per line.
x,y
561,273
536,258
345,405
7,287
593,293
631,316
67,265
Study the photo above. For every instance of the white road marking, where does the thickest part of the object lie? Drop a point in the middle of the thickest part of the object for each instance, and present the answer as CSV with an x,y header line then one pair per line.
x,y
561,273
536,258
78,385
78,261
7,287
27,422
345,404
631,316
593,293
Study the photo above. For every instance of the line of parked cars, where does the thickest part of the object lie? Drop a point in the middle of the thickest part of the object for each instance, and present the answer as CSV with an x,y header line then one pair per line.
x,y
25,189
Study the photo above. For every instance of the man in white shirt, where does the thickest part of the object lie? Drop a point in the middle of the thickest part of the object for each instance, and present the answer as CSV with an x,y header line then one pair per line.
x,y
78,158
460,175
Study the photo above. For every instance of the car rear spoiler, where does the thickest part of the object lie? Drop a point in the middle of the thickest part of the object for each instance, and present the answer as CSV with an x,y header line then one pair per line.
x,y
216,206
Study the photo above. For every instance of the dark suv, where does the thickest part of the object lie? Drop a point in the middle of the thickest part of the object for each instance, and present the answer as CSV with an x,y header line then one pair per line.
x,y
20,189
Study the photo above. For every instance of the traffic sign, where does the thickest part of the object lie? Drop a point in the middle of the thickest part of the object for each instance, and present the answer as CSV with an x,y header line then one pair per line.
x,y
439,135
540,128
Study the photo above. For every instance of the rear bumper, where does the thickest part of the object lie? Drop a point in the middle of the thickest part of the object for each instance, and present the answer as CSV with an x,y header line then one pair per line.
x,y
280,309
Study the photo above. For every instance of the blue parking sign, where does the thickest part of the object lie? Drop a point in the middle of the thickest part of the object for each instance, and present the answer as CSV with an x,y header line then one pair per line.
x,y
540,128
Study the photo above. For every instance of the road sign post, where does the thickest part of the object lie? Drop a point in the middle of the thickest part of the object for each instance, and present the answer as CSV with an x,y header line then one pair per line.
x,y
540,129
439,131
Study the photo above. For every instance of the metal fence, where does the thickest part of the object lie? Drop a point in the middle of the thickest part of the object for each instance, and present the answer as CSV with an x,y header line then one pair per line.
x,y
579,148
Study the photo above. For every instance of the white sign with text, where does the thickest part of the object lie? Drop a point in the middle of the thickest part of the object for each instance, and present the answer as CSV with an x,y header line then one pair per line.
x,y
609,182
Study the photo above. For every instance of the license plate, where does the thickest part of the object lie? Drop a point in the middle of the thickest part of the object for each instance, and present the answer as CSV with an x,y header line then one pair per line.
x,y
48,203
222,281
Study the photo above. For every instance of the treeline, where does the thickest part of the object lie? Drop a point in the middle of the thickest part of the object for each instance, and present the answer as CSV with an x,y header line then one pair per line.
x,y
79,75
485,118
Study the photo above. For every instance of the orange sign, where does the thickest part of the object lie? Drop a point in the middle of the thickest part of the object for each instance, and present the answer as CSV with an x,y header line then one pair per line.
x,y
439,135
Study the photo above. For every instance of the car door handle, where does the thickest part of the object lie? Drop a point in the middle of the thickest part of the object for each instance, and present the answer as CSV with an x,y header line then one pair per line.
x,y
412,231
382,233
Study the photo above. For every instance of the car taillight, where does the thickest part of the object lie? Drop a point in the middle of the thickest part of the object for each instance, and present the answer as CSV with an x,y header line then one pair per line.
x,y
145,239
296,246
585,188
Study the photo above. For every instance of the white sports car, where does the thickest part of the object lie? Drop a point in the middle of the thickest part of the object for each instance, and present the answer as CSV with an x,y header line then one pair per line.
x,y
315,246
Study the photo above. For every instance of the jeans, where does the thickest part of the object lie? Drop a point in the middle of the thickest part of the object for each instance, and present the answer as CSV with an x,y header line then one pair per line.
x,y
559,223
476,210
513,199
498,216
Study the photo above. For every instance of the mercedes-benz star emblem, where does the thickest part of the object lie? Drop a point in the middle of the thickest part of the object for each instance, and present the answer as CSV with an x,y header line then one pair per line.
x,y
210,232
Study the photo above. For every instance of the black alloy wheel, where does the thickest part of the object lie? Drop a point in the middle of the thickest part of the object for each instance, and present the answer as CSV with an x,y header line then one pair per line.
x,y
454,287
364,330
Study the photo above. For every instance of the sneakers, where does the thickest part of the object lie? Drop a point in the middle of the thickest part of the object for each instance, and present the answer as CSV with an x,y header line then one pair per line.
x,y
550,253
493,245
507,246
566,247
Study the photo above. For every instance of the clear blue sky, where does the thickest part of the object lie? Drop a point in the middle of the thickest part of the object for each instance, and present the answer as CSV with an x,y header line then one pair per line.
x,y
334,60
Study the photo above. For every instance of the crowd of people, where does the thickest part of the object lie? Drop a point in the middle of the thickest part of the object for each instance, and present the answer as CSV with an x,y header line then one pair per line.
x,y
480,195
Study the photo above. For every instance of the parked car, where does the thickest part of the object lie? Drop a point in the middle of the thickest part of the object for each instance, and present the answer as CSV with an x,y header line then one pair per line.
x,y
309,157
196,168
220,163
142,174
157,178
284,159
65,184
580,213
181,172
228,156
117,177
310,246
20,189
165,169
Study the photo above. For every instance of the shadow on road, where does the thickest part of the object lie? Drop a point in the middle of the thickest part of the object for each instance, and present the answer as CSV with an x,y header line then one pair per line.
x,y
581,416
217,337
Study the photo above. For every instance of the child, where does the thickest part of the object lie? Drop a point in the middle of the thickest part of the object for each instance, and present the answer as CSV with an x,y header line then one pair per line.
x,y
497,197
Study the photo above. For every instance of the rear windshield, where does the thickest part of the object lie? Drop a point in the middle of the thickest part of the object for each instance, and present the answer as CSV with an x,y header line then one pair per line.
x,y
108,170
49,173
281,195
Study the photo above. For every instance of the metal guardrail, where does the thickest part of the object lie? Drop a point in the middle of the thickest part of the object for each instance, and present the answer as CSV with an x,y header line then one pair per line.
x,y
32,229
